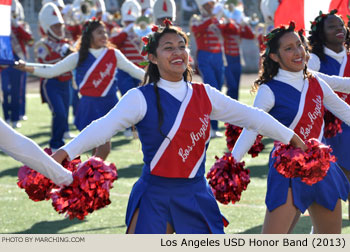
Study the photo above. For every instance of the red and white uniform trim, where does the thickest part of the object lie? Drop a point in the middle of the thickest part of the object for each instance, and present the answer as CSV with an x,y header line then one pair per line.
x,y
308,123
100,76
188,137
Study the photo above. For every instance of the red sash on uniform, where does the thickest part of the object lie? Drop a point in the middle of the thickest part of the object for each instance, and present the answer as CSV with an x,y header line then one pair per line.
x,y
100,76
308,122
182,156
345,72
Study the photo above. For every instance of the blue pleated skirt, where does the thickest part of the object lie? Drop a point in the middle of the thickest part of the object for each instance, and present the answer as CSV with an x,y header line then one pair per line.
x,y
326,192
187,204
92,108
340,145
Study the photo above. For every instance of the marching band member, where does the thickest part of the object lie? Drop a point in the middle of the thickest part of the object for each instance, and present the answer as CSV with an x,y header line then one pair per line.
x,y
207,32
130,44
14,81
55,91
297,99
232,34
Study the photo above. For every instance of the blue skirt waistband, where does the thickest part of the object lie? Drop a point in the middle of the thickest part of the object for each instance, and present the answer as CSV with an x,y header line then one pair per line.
x,y
173,182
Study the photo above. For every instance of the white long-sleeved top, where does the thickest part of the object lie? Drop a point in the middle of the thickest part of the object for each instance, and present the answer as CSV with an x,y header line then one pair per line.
x,y
132,108
314,62
70,62
337,83
265,100
29,153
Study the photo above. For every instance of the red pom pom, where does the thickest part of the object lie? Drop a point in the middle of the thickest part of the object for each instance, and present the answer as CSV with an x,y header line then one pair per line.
x,y
257,147
232,133
89,190
228,179
332,125
36,185
311,166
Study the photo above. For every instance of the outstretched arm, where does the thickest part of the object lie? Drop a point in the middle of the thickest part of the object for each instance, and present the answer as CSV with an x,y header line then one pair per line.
x,y
50,70
337,83
334,104
29,153
253,119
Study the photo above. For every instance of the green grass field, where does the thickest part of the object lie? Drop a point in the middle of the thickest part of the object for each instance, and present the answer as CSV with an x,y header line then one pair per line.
x,y
18,214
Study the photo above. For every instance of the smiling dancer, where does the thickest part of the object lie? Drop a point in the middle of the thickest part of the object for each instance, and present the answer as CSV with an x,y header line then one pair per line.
x,y
330,56
290,93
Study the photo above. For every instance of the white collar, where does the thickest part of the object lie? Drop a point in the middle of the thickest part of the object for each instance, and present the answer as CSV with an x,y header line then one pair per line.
x,y
99,50
337,56
170,84
295,79
96,52
177,89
